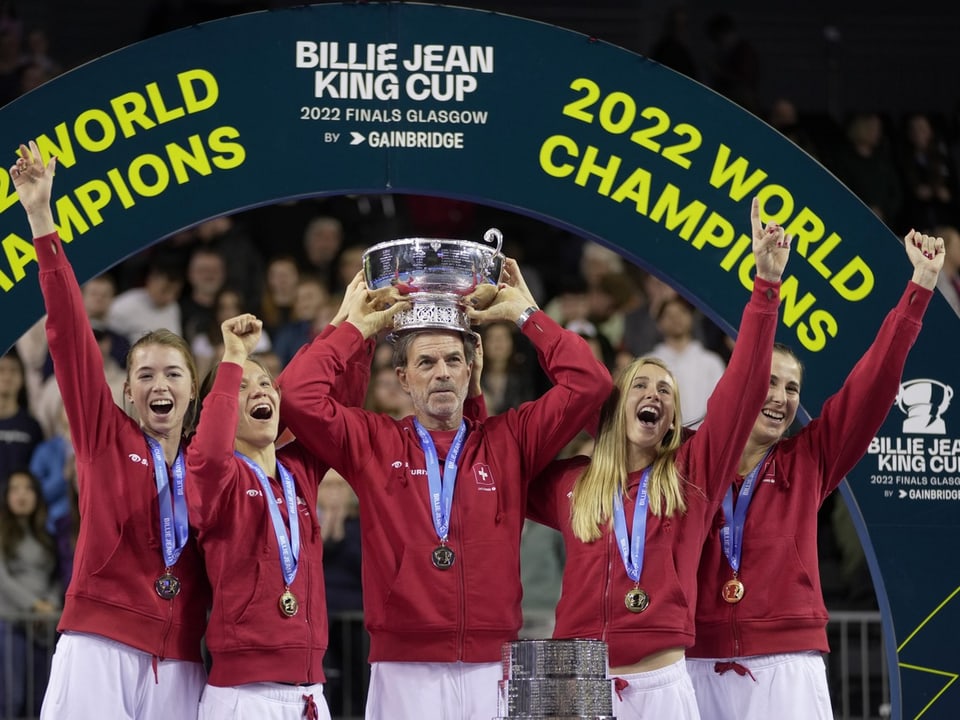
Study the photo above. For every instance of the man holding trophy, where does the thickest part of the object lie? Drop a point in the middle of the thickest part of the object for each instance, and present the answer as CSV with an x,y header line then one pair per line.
x,y
442,496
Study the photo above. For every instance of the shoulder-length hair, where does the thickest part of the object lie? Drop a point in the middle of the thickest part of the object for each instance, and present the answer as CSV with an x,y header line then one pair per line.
x,y
593,492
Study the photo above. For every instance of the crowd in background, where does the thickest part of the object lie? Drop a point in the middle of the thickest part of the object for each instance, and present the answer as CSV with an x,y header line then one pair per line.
x,y
289,263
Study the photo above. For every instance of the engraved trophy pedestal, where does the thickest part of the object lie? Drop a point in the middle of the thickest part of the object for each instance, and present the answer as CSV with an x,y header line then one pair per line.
x,y
435,274
555,680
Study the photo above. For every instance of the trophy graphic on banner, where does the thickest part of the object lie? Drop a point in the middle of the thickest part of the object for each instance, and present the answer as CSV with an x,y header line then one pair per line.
x,y
555,680
435,274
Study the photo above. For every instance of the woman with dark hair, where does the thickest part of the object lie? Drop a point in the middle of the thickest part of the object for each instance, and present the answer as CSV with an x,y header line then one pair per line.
x,y
761,618
28,587
20,433
136,607
254,507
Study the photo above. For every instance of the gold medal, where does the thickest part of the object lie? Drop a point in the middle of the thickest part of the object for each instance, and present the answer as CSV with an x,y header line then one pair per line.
x,y
636,600
732,591
442,557
167,585
288,603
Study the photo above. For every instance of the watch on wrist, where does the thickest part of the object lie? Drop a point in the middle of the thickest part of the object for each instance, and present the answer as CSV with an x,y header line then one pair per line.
x,y
525,315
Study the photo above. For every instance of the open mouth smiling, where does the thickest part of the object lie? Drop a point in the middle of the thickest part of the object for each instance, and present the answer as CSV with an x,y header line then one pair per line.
x,y
648,415
161,407
262,411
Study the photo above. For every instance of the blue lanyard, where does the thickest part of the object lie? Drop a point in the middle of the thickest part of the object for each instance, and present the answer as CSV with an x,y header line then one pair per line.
x,y
173,503
731,534
441,492
631,546
289,547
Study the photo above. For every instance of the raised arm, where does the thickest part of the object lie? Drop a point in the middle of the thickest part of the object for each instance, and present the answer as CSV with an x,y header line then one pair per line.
x,y
852,416
212,468
581,383
78,363
714,451
309,406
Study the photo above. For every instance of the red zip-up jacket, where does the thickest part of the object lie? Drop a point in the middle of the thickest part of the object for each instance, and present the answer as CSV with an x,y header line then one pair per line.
x,y
782,609
249,640
118,556
594,578
413,611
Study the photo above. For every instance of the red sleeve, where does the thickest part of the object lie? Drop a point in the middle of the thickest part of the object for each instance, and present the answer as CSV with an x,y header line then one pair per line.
x,y
475,409
211,466
338,435
94,416
841,434
547,501
581,385
713,453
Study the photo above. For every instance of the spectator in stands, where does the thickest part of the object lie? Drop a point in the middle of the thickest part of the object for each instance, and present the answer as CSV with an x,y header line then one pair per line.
x,y
55,467
312,297
864,163
949,281
322,241
508,379
929,179
735,71
640,323
230,236
138,311
696,369
761,618
672,47
20,432
206,276
280,293
345,663
783,116
29,590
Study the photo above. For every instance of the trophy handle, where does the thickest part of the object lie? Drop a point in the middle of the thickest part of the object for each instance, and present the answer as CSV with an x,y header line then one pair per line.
x,y
494,235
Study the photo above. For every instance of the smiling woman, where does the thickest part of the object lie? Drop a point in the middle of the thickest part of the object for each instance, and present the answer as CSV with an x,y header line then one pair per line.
x,y
128,605
254,506
647,488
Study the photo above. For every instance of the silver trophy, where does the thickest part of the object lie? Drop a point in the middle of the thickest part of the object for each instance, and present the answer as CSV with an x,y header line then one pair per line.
x,y
555,680
435,274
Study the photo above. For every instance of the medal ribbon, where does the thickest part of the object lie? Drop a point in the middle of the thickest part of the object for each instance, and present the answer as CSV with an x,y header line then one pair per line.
x,y
631,545
441,491
173,503
731,534
289,547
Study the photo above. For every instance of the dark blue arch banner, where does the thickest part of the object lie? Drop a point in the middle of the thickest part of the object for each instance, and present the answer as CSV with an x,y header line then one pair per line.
x,y
516,114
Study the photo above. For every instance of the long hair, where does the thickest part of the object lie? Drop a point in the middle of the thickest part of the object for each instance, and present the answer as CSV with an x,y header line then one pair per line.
x,y
167,338
12,532
593,492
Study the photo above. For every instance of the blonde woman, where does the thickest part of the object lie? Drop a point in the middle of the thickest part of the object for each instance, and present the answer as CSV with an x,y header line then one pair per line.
x,y
634,516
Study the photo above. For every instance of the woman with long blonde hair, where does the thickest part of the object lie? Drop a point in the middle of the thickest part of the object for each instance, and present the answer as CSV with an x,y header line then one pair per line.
x,y
634,517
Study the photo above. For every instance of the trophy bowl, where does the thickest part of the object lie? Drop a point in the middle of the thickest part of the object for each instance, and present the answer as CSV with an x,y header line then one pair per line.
x,y
435,274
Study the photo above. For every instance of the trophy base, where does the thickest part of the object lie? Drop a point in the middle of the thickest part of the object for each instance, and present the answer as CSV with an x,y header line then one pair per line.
x,y
432,311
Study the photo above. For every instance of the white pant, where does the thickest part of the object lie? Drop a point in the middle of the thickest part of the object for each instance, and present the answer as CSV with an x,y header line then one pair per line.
x,y
95,677
655,694
263,701
791,686
433,691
